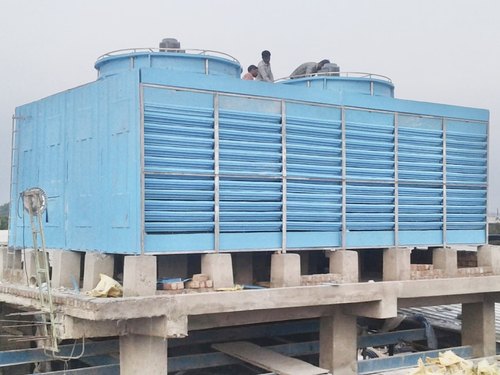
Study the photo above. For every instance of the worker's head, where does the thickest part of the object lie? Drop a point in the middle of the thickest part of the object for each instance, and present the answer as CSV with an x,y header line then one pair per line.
x,y
253,70
322,63
266,56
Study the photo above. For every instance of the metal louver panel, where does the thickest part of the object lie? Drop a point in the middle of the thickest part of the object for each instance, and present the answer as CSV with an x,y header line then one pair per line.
x,y
216,178
178,146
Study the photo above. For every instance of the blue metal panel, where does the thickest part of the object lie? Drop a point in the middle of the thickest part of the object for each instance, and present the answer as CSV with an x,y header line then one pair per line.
x,y
81,148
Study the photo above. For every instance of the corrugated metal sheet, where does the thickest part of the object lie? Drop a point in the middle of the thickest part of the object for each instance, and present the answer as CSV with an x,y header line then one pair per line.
x,y
448,316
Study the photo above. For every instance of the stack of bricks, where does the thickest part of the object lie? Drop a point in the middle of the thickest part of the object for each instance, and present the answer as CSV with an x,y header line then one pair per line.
x,y
199,281
324,278
475,271
174,285
425,271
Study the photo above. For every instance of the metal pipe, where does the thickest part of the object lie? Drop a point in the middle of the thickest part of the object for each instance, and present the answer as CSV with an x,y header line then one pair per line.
x,y
344,182
143,177
216,176
284,178
445,209
396,179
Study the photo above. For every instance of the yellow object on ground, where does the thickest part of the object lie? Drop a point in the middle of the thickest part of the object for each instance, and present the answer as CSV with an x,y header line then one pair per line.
x,y
449,363
233,289
107,287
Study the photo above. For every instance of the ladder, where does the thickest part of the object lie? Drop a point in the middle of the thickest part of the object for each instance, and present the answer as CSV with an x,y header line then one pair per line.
x,y
34,201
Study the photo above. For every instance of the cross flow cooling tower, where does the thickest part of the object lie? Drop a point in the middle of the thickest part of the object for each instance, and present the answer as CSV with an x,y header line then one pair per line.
x,y
170,152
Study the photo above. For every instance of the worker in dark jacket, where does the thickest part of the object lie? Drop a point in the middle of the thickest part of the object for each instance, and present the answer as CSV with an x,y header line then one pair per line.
x,y
308,68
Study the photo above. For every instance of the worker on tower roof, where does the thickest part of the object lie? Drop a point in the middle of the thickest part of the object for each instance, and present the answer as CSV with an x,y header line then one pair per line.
x,y
308,68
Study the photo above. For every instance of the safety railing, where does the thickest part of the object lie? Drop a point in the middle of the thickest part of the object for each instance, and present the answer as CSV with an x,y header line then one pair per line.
x,y
189,51
339,74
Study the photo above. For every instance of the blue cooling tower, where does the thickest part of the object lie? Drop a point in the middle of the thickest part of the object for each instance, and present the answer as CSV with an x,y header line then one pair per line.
x,y
171,152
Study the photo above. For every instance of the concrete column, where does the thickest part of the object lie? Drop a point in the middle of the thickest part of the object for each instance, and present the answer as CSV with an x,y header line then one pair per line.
x,y
285,270
478,328
65,268
95,264
139,276
397,264
171,266
3,261
338,344
445,259
489,256
219,269
143,355
243,268
345,263
30,266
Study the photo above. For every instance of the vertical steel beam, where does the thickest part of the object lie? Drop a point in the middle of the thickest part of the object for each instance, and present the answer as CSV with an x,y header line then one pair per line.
x,y
206,66
487,179
371,88
283,178
396,179
143,172
445,209
216,175
344,177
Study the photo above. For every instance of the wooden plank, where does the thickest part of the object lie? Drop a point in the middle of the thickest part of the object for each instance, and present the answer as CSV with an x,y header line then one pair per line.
x,y
267,359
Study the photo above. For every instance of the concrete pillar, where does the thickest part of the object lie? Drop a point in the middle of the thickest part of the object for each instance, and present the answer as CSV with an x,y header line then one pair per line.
x,y
95,264
489,256
445,259
172,266
345,263
139,276
397,264
478,328
338,344
143,355
219,269
3,262
285,270
30,266
65,268
243,268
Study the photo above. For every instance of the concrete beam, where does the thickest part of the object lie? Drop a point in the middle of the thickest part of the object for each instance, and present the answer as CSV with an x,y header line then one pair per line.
x,y
65,268
95,264
163,326
285,270
387,308
139,276
397,264
206,321
143,355
338,344
478,328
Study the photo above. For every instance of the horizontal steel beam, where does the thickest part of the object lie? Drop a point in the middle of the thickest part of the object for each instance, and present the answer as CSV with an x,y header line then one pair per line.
x,y
23,356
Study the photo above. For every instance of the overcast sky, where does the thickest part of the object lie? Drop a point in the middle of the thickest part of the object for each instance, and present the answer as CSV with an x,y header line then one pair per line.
x,y
445,51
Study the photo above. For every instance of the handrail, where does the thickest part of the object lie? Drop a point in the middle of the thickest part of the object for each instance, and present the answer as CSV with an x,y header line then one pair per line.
x,y
193,51
338,74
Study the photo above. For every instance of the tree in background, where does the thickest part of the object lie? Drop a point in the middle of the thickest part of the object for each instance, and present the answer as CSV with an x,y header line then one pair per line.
x,y
4,216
